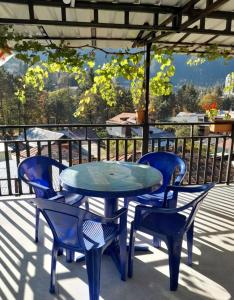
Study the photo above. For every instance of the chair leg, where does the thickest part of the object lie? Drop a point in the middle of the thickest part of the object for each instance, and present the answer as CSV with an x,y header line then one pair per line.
x,y
190,244
126,202
87,204
53,269
37,224
93,263
131,251
156,242
123,253
70,256
174,252
60,251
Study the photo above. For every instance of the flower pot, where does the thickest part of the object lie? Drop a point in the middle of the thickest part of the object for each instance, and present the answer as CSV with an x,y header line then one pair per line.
x,y
140,116
221,126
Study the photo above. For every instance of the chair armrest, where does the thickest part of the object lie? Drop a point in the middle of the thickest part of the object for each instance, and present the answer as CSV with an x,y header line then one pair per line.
x,y
57,197
189,189
38,185
119,213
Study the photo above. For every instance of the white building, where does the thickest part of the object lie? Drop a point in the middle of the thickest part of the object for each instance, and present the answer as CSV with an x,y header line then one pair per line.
x,y
229,85
188,117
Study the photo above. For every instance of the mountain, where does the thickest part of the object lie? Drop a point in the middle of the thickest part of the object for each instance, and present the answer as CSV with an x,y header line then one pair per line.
x,y
207,74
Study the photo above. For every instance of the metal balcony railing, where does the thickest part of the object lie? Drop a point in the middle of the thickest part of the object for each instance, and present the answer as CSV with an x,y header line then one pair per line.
x,y
208,156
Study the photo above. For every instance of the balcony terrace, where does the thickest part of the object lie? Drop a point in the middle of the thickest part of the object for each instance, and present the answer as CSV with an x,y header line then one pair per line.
x,y
191,26
25,266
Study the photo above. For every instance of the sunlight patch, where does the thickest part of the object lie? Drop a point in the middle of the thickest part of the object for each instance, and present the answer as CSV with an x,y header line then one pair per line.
x,y
197,283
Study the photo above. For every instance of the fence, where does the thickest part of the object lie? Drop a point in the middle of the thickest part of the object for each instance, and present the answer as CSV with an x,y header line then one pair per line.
x,y
208,156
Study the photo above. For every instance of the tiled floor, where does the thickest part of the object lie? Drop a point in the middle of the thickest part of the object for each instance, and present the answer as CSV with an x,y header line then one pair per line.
x,y
25,266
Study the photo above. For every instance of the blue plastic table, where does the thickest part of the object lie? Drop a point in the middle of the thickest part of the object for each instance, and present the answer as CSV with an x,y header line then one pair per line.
x,y
111,180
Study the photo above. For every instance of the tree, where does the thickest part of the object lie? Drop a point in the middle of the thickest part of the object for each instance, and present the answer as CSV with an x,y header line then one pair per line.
x,y
60,106
188,98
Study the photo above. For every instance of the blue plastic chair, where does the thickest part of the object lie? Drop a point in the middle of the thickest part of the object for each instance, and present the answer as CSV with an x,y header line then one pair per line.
x,y
167,163
36,171
169,225
76,229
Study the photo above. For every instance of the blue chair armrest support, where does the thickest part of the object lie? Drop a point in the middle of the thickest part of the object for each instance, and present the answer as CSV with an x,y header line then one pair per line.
x,y
142,211
38,185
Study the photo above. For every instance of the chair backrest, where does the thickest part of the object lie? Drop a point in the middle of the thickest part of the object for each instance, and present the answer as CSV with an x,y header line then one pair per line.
x,y
142,211
67,223
196,203
38,169
166,163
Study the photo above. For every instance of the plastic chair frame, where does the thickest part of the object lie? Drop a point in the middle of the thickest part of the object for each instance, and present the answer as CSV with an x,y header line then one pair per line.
x,y
178,162
92,256
42,190
173,242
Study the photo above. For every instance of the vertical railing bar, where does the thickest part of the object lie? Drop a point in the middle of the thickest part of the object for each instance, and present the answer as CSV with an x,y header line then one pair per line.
x,y
27,149
184,148
134,149
152,145
176,145
59,152
17,153
222,159
159,144
117,149
199,160
80,151
89,151
49,148
207,159
8,172
167,145
70,153
28,155
175,151
229,163
25,134
125,149
214,159
107,149
191,161
38,148
98,150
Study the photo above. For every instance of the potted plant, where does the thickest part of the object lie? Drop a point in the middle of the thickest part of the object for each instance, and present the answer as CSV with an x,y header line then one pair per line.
x,y
209,103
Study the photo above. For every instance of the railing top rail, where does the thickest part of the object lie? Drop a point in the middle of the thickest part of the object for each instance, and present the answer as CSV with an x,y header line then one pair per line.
x,y
108,125
139,138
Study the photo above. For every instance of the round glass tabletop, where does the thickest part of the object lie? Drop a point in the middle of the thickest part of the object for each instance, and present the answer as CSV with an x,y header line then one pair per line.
x,y
111,179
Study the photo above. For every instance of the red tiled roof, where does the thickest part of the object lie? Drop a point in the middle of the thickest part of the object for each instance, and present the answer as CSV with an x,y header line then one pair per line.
x,y
123,118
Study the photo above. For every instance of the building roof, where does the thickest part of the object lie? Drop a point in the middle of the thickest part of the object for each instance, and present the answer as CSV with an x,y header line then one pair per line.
x,y
191,24
81,133
40,134
123,118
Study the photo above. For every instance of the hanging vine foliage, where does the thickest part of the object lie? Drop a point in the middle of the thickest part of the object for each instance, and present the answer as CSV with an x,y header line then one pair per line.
x,y
43,60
